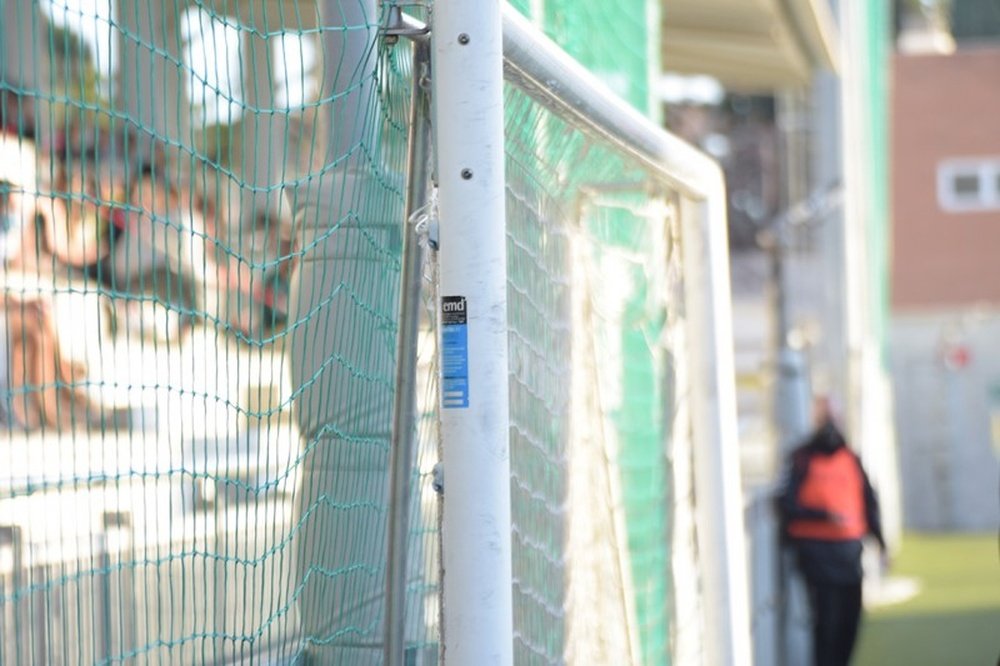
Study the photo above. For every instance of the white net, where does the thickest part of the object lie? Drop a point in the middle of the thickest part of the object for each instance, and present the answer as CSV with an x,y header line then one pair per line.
x,y
595,314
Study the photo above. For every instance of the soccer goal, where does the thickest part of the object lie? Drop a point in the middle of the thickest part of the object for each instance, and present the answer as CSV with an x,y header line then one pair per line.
x,y
346,332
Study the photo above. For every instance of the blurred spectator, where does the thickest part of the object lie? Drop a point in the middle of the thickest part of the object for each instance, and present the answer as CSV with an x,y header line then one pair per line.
x,y
38,385
17,192
158,260
17,115
828,506
252,268
43,387
164,253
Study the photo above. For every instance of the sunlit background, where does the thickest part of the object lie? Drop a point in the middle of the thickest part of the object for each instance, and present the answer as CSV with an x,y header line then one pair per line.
x,y
860,142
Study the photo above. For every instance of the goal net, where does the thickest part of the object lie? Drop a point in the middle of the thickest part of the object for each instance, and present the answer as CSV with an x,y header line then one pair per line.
x,y
203,211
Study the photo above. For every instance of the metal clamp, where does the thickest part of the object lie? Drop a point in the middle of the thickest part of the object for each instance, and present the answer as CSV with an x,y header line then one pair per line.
x,y
398,25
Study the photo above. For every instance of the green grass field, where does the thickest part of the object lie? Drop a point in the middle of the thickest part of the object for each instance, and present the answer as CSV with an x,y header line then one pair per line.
x,y
954,620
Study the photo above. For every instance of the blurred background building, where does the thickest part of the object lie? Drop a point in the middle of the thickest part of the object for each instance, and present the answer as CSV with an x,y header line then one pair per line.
x,y
800,123
801,126
945,336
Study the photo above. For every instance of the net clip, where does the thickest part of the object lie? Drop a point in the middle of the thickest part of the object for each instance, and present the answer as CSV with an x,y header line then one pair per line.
x,y
425,222
437,478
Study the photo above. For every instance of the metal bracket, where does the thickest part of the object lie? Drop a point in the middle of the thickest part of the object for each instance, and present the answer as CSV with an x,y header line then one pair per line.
x,y
398,25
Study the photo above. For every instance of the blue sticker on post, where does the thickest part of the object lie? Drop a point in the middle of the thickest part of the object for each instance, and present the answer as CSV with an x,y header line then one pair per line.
x,y
454,353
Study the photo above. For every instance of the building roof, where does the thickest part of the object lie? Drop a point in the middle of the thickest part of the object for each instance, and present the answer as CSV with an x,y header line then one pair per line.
x,y
749,45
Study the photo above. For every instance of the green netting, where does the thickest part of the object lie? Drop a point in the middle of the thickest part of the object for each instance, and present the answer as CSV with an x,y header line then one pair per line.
x,y
618,42
592,302
203,205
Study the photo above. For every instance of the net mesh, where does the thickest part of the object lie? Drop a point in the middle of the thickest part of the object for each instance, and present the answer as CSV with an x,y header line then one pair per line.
x,y
202,207
594,311
202,210
623,217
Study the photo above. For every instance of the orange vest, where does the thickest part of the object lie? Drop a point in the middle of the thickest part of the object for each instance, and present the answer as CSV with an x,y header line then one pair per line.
x,y
832,483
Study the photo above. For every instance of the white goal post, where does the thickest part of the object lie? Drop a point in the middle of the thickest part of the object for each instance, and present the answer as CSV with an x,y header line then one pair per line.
x,y
468,91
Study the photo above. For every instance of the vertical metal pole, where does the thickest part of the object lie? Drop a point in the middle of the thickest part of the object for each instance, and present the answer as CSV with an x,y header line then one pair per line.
x,y
722,540
10,536
468,102
404,405
856,189
102,583
827,165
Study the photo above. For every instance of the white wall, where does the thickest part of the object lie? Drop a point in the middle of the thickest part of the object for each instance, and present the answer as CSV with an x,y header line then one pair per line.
x,y
948,455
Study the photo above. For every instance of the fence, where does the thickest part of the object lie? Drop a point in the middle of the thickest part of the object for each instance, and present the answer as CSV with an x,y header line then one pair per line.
x,y
223,412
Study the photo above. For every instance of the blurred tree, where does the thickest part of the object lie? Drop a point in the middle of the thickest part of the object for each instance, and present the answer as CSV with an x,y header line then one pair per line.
x,y
78,107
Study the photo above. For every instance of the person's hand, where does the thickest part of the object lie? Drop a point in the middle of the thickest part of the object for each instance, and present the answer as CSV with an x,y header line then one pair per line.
x,y
884,560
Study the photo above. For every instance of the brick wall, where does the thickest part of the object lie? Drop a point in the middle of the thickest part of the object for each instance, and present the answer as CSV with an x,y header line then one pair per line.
x,y
943,106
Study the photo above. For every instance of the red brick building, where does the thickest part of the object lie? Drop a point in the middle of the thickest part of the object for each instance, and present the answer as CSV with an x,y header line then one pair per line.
x,y
946,183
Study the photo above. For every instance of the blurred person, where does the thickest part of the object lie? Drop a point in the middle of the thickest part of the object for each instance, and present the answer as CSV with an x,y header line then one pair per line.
x,y
253,267
80,221
18,181
17,114
264,271
133,236
17,194
241,271
159,257
42,386
828,507
38,384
